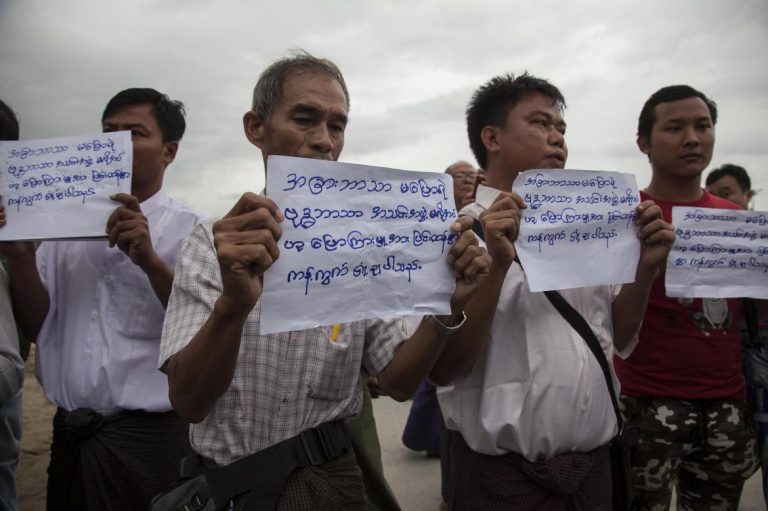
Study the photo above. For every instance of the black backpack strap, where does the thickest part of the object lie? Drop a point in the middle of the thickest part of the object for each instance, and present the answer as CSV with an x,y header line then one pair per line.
x,y
579,324
750,318
477,228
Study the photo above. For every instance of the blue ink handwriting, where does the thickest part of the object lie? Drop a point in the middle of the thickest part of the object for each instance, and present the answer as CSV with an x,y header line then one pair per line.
x,y
424,189
599,182
28,152
310,216
426,236
701,215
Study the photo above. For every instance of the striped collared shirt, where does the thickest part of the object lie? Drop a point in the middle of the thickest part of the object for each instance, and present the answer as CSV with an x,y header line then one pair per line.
x,y
284,383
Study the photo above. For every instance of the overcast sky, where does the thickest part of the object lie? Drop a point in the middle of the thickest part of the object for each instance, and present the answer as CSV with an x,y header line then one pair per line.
x,y
411,67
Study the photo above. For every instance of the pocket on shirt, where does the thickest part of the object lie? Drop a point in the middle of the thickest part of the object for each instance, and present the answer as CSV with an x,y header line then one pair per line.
x,y
134,310
338,378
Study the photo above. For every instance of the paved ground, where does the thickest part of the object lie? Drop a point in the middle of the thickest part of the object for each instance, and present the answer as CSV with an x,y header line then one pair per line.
x,y
414,478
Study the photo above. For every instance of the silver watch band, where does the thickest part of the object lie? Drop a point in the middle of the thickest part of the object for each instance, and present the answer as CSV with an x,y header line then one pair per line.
x,y
442,327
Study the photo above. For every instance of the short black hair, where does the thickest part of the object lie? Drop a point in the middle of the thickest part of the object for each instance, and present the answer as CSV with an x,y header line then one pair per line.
x,y
169,113
491,103
665,95
736,172
9,124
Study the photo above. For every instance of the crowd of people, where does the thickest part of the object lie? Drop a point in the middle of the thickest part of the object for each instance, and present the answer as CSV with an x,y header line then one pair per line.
x,y
148,343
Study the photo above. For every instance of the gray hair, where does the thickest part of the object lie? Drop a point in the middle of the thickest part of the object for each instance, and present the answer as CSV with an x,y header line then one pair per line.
x,y
460,163
269,89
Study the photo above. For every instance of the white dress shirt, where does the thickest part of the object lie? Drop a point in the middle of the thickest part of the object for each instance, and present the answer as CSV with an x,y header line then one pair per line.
x,y
537,390
99,344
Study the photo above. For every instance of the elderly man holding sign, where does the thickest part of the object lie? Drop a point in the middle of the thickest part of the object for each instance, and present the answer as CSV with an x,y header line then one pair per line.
x,y
270,408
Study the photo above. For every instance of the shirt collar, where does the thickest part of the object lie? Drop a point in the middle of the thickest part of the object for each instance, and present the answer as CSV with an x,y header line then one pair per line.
x,y
154,203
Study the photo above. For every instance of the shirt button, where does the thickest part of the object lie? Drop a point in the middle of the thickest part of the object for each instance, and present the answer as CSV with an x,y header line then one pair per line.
x,y
95,314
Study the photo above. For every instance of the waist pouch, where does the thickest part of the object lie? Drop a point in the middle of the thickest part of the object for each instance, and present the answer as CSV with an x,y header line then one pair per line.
x,y
261,474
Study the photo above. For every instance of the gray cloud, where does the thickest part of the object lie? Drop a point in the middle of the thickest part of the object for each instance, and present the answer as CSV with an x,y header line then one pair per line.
x,y
411,67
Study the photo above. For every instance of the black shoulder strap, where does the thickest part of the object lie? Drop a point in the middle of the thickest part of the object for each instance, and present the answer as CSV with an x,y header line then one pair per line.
x,y
750,318
477,227
579,324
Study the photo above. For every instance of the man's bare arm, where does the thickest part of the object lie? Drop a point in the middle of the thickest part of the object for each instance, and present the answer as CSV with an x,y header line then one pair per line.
x,y
656,238
500,224
246,245
203,370
28,294
416,356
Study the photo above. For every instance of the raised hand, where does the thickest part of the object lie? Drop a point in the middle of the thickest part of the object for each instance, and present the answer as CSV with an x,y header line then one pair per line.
x,y
656,235
501,225
128,229
246,246
470,263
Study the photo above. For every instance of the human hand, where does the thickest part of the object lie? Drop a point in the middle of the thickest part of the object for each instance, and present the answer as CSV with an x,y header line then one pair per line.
x,y
469,262
656,236
128,229
246,246
375,388
501,225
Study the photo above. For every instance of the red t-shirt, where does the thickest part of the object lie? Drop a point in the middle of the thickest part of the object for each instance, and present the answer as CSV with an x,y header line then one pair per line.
x,y
688,348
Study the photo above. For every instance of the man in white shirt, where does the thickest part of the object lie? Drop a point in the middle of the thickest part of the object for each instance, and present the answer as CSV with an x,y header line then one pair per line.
x,y
527,395
96,309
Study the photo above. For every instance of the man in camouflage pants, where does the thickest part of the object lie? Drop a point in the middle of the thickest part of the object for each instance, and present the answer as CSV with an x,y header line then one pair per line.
x,y
683,389
698,440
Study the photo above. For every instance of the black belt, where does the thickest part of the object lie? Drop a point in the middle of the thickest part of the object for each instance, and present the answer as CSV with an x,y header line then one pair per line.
x,y
264,473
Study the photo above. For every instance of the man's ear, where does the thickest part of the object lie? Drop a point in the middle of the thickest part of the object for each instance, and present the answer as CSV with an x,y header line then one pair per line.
x,y
490,137
169,151
254,127
643,144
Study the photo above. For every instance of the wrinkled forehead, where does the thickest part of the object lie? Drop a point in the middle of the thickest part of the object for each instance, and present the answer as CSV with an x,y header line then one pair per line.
x,y
300,84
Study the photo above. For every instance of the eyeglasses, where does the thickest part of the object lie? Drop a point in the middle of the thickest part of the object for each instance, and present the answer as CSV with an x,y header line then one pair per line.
x,y
464,175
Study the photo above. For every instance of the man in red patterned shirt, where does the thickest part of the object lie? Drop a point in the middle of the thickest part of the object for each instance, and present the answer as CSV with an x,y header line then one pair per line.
x,y
683,390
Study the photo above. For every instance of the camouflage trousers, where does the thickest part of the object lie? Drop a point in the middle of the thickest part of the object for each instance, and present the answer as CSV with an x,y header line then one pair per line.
x,y
706,449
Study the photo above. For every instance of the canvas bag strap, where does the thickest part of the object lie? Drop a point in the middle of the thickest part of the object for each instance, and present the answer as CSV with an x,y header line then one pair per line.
x,y
579,324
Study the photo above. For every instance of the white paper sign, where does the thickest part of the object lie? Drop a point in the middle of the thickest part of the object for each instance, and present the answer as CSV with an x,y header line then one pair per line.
x,y
59,187
358,242
578,229
718,253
